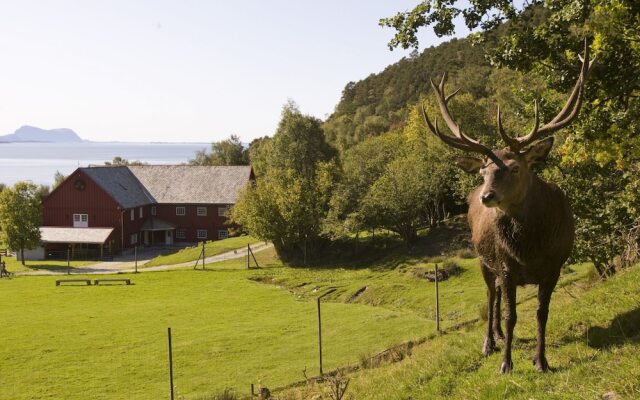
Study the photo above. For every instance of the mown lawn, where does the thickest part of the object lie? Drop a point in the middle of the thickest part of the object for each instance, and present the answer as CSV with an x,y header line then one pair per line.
x,y
14,265
212,248
109,342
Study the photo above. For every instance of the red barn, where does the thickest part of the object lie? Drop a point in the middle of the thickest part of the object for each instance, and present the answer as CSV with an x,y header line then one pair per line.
x,y
108,208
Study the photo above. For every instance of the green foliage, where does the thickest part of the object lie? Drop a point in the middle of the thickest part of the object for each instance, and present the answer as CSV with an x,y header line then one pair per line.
x,y
58,178
20,216
119,161
543,40
291,196
226,152
382,102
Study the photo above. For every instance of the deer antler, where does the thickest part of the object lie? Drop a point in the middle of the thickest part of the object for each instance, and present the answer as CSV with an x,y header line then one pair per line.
x,y
568,113
460,140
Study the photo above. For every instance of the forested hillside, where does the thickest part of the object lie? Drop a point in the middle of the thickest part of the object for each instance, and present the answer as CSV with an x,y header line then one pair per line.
x,y
390,173
380,102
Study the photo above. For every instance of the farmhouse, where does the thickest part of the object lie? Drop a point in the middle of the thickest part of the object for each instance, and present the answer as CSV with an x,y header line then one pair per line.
x,y
106,208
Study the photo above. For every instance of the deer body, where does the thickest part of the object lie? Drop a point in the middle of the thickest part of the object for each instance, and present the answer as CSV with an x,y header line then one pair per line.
x,y
521,226
532,239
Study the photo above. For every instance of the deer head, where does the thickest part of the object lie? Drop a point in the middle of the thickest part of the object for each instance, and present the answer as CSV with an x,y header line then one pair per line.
x,y
507,173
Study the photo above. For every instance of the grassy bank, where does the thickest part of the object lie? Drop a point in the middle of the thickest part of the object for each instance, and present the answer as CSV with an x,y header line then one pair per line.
x,y
212,248
593,347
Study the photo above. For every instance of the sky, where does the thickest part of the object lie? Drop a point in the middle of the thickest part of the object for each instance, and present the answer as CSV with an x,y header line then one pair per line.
x,y
185,71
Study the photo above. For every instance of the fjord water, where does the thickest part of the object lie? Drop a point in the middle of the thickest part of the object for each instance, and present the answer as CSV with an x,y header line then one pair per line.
x,y
38,162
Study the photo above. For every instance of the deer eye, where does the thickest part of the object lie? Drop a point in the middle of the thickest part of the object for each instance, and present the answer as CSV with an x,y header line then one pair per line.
x,y
515,170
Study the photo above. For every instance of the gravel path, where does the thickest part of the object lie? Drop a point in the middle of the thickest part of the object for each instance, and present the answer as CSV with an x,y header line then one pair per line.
x,y
120,267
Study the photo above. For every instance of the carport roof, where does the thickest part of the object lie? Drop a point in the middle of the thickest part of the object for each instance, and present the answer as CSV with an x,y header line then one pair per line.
x,y
54,234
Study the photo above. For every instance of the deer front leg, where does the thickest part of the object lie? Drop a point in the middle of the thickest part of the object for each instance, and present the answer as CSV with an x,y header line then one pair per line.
x,y
510,317
489,344
544,298
497,328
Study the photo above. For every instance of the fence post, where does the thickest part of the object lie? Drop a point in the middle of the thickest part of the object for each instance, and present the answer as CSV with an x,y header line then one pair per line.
x,y
248,250
320,328
135,253
437,303
170,364
203,253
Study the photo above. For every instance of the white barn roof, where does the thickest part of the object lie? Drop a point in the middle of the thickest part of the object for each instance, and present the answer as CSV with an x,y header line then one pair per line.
x,y
51,234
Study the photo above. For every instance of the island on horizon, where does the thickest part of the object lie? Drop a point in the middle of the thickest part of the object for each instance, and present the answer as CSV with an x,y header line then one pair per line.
x,y
28,133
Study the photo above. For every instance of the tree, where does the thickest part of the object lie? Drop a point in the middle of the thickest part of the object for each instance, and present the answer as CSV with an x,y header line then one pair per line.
x,y
226,152
20,216
544,40
58,178
119,161
290,198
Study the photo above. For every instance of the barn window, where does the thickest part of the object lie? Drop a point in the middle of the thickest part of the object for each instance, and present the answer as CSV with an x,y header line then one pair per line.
x,y
202,211
201,233
181,233
223,234
80,220
133,214
180,211
223,211
134,238
153,210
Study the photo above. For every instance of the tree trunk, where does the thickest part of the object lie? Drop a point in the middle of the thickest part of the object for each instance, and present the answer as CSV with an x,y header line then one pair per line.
x,y
22,256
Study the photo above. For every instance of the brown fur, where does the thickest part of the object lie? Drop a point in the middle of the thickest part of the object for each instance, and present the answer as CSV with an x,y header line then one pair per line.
x,y
524,238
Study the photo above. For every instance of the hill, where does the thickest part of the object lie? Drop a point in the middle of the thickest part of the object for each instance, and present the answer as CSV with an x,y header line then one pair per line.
x,y
33,134
380,102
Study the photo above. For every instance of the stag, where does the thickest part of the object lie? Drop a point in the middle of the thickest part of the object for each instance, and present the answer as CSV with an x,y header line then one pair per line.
x,y
521,226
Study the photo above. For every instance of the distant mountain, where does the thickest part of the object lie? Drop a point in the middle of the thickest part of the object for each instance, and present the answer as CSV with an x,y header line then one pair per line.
x,y
33,134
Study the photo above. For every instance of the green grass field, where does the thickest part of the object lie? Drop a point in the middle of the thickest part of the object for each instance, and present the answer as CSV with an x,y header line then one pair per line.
x,y
109,342
233,327
212,248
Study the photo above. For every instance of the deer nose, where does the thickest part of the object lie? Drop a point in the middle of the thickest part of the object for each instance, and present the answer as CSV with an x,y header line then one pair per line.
x,y
488,197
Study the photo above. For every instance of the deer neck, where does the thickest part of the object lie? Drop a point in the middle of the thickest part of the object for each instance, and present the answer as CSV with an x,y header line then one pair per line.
x,y
525,207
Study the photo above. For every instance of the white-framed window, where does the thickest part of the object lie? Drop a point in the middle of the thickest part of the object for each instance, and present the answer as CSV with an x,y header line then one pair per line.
x,y
202,211
181,211
134,238
201,233
223,211
80,220
140,212
223,234
181,233
153,210
133,214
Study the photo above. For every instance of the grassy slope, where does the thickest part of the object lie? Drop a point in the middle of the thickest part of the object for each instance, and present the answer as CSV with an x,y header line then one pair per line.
x,y
593,342
109,342
16,266
212,248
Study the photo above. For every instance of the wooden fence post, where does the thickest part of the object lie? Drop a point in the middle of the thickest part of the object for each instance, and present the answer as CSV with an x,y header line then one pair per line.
x,y
437,303
170,364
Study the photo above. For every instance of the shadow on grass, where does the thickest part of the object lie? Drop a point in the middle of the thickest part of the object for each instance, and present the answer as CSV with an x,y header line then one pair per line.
x,y
50,267
624,328
387,252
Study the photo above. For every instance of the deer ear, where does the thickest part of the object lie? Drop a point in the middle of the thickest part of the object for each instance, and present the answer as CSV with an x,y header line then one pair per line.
x,y
470,165
539,151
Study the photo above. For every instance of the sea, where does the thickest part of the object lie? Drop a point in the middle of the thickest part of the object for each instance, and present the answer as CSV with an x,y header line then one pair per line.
x,y
38,162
